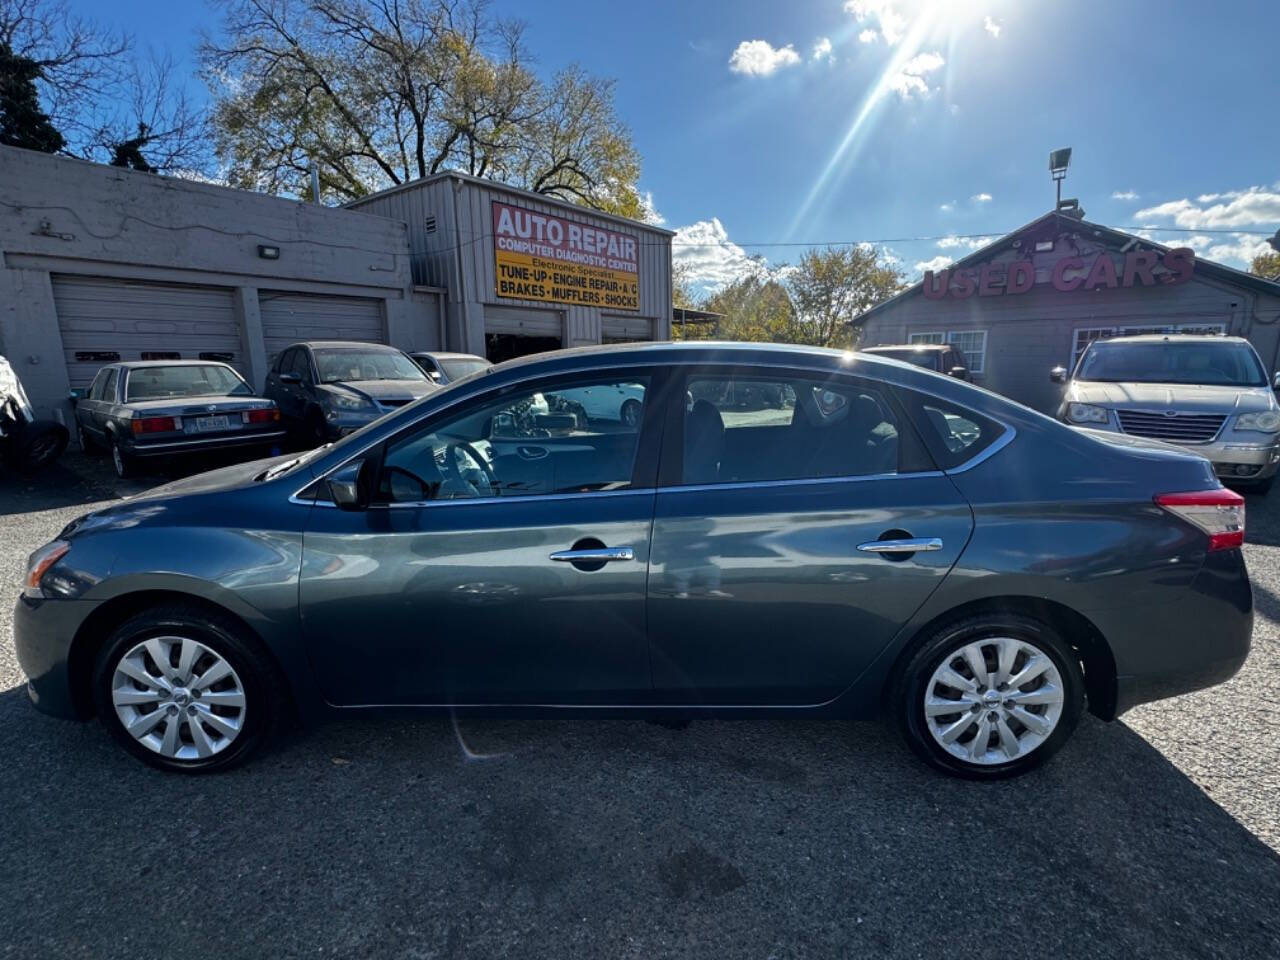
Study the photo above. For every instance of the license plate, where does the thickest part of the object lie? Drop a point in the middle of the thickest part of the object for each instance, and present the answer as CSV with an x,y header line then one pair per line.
x,y
210,424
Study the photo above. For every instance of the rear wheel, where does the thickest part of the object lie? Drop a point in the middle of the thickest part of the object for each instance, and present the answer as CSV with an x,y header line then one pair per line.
x,y
125,465
183,689
37,445
989,697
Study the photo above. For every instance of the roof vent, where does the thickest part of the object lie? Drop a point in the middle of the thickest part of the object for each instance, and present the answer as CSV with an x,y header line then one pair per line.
x,y
430,224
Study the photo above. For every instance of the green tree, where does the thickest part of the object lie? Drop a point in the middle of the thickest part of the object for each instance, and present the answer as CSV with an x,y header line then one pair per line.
x,y
833,286
377,93
756,307
22,122
1266,265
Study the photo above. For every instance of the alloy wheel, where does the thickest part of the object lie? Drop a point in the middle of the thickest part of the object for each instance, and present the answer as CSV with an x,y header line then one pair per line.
x,y
178,698
994,700
42,451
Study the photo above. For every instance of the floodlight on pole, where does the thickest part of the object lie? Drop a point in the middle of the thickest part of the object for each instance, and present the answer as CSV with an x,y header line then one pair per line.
x,y
1059,160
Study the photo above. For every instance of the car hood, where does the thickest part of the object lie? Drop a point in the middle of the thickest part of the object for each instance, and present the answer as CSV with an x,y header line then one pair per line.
x,y
214,481
1200,398
384,390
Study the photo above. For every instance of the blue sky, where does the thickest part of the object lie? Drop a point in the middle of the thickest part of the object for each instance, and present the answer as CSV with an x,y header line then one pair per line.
x,y
809,121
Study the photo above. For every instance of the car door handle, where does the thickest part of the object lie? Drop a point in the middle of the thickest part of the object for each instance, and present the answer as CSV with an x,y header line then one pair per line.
x,y
909,545
595,555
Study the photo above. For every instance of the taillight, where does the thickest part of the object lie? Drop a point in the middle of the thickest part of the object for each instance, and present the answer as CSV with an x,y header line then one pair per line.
x,y
266,415
156,425
1219,513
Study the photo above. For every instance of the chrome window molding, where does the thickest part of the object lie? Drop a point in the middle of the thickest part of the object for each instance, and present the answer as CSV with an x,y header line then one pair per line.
x,y
468,501
798,482
996,445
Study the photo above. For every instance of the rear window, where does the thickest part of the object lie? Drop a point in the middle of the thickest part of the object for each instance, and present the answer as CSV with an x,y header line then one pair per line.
x,y
162,383
953,434
921,358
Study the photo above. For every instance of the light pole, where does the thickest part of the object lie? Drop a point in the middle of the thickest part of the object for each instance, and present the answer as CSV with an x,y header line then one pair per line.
x,y
1059,160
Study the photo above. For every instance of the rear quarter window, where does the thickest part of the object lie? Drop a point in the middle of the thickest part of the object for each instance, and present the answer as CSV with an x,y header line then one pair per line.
x,y
953,434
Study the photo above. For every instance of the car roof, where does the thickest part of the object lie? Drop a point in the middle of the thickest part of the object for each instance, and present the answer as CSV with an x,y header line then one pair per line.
x,y
445,355
145,364
1175,338
342,344
908,346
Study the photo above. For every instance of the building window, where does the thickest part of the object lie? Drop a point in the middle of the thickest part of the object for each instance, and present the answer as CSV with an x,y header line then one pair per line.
x,y
1087,335
927,338
973,344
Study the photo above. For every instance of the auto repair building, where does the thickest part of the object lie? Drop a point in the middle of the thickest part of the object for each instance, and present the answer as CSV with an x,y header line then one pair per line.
x,y
1036,298
99,264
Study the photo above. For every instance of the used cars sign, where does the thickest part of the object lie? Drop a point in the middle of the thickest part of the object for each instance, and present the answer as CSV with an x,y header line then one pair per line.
x,y
538,256
1141,268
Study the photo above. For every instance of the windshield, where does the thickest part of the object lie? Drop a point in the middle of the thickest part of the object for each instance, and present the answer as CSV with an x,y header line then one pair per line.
x,y
456,369
1210,362
347,364
921,358
190,380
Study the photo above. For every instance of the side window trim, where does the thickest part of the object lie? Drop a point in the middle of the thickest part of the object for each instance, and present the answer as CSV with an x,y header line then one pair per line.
x,y
111,389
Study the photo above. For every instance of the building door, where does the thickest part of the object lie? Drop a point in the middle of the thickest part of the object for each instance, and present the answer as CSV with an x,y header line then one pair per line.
x,y
104,319
516,332
290,317
625,329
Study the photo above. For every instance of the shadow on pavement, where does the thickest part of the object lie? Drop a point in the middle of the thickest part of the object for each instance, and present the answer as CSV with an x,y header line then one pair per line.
x,y
588,837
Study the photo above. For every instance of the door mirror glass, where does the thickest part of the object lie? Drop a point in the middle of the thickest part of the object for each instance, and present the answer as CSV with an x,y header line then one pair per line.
x,y
1275,383
1058,374
351,486
77,394
290,378
959,373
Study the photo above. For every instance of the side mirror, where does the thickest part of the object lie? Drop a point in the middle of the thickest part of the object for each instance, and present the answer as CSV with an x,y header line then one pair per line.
x,y
1275,384
351,487
77,394
960,373
1058,374
290,378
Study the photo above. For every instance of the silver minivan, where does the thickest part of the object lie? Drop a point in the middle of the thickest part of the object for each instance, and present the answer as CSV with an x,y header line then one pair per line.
x,y
1209,394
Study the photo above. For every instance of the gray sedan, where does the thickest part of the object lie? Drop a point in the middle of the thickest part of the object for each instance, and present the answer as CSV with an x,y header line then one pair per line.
x,y
160,409
883,541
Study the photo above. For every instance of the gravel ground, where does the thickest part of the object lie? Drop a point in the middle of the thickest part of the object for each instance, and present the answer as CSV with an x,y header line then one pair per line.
x,y
1156,836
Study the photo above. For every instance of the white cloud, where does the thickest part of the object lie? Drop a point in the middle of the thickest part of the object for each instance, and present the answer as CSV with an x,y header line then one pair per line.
x,y
868,36
759,58
947,207
1232,208
992,27
1235,250
912,79
822,50
971,243
649,210
1124,195
981,198
710,257
940,262
892,25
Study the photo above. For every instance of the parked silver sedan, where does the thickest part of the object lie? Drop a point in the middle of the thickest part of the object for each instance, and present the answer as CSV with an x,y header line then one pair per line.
x,y
1208,394
166,408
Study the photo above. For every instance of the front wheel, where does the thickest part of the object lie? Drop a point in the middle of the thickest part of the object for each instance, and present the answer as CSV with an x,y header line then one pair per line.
x,y
989,697
183,689
37,445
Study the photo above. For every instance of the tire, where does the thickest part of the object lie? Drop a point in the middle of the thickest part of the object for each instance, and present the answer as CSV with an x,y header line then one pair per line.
x,y
630,413
316,433
125,465
1259,488
88,445
218,642
38,445
991,633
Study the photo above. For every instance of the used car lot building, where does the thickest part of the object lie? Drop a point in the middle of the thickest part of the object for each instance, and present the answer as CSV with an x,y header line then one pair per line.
x,y
100,265
1037,297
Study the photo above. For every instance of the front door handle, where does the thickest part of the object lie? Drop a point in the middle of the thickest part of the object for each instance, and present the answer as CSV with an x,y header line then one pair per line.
x,y
595,555
908,545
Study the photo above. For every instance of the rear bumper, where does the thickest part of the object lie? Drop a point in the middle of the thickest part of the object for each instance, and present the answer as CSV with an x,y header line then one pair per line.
x,y
169,448
42,635
1199,640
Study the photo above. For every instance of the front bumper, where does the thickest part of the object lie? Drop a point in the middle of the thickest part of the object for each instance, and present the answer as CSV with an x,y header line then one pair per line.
x,y
43,631
1234,460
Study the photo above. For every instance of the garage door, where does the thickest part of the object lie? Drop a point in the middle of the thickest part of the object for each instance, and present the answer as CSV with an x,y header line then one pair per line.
x,y
523,323
623,329
290,317
103,320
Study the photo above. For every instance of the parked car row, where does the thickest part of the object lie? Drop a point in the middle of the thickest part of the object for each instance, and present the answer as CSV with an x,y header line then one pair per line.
x,y
150,411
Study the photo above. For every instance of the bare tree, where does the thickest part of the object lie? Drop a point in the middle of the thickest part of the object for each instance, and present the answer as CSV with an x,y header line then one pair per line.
x,y
381,92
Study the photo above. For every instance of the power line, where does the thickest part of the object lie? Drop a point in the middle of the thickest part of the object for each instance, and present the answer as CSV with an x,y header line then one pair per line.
x,y
948,236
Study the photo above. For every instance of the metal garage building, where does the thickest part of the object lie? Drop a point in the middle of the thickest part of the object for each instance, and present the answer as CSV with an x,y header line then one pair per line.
x,y
100,264
478,241
1035,298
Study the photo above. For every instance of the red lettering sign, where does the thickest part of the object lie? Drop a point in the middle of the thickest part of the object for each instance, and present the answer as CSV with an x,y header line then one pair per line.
x,y
1001,279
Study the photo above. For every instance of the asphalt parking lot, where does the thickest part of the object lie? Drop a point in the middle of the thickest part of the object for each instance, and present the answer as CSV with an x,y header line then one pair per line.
x,y
1156,836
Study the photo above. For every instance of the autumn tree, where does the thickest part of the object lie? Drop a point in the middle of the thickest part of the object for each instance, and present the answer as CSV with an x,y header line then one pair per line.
x,y
831,287
377,93
1266,265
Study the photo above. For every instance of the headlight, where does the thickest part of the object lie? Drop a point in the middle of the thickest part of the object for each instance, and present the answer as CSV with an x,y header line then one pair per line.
x,y
1087,413
38,565
1267,421
343,401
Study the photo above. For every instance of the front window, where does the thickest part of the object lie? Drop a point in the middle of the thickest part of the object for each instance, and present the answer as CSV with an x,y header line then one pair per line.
x,y
346,363
563,438
190,380
1207,362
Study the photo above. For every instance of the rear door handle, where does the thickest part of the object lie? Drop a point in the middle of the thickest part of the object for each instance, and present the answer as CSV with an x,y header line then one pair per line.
x,y
595,555
909,545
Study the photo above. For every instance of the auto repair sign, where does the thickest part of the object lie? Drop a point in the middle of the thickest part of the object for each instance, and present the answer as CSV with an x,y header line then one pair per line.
x,y
538,256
